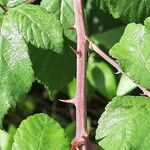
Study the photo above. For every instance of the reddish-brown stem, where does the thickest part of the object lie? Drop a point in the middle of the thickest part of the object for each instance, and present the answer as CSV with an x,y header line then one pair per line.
x,y
81,138
105,56
114,64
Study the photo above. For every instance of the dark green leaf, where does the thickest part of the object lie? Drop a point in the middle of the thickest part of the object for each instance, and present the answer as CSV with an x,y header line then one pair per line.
x,y
127,10
4,2
105,38
52,69
1,17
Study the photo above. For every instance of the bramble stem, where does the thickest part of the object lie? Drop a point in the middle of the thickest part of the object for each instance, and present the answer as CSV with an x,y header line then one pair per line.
x,y
81,138
81,141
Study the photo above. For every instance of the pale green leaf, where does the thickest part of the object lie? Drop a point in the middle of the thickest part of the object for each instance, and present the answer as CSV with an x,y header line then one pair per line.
x,y
3,139
127,10
132,52
125,86
125,124
16,73
38,26
6,138
64,11
40,132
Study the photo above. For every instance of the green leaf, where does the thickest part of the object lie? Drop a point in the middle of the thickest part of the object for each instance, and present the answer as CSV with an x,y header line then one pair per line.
x,y
16,73
102,78
52,69
125,124
133,52
38,26
4,2
125,86
64,11
127,10
40,132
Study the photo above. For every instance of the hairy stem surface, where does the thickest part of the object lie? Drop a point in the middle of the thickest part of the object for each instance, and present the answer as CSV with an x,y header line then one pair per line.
x,y
81,139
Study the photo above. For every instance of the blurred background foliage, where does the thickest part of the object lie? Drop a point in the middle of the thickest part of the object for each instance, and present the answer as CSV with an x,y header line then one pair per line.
x,y
102,82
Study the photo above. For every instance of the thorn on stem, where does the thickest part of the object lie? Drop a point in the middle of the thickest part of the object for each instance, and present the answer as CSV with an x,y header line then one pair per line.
x,y
118,72
72,28
146,92
75,51
71,101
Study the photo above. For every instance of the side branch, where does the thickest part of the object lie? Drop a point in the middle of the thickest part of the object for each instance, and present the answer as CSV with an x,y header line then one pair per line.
x,y
105,56
114,64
